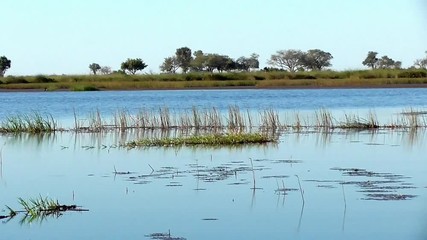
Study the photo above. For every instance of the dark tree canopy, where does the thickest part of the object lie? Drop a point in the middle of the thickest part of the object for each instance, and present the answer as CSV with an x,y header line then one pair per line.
x,y
371,60
183,57
317,60
133,65
4,65
94,67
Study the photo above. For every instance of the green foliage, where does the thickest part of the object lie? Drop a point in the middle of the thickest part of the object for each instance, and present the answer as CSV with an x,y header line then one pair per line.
x,y
184,58
43,79
94,67
13,79
371,60
4,65
210,140
30,123
81,88
413,74
133,65
170,65
316,59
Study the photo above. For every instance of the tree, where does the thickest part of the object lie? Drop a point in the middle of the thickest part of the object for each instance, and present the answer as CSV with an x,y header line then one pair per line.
x,y
4,65
170,65
421,63
133,65
386,63
287,59
105,70
219,62
371,60
183,57
316,59
198,64
245,64
94,67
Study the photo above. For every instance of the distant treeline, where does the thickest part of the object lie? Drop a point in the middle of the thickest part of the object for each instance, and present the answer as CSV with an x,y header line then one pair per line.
x,y
294,61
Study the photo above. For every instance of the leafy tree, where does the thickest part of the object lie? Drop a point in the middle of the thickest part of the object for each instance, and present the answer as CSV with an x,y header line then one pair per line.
x,y
105,70
133,65
170,65
388,63
183,57
316,59
287,59
371,60
94,67
245,64
4,65
219,62
198,64
397,65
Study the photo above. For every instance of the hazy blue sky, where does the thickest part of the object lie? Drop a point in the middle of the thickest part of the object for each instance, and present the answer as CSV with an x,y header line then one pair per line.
x,y
64,37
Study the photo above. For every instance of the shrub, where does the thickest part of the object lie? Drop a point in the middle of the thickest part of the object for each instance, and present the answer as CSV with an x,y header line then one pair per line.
x,y
80,88
413,74
42,79
12,80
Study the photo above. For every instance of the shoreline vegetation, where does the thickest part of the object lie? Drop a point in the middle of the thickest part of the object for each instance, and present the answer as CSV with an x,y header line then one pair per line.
x,y
378,78
196,121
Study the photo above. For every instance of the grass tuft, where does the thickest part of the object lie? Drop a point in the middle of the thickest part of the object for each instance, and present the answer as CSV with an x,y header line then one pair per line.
x,y
206,140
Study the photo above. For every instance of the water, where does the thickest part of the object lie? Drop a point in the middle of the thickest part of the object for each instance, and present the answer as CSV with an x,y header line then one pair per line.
x,y
207,193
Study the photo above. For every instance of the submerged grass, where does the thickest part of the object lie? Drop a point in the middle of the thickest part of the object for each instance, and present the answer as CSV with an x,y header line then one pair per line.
x,y
207,140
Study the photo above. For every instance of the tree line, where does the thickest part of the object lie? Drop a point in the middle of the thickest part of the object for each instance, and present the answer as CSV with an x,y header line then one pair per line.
x,y
291,60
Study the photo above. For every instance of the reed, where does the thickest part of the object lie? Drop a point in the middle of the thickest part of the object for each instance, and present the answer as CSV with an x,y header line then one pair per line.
x,y
211,120
29,123
38,209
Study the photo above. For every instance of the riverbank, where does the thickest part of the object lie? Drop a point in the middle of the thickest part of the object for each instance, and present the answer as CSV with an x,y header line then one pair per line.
x,y
240,80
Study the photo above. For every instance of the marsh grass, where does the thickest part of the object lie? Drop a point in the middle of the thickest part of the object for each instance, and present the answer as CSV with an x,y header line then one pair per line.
x,y
212,120
261,79
30,123
206,140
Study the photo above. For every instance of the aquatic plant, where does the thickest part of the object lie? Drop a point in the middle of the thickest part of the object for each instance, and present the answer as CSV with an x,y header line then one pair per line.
x,y
38,209
208,140
30,123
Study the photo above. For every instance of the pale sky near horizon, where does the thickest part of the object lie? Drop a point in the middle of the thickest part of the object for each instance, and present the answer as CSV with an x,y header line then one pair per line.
x,y
64,37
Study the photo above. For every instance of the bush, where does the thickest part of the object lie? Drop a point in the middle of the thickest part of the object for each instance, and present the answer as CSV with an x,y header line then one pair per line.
x,y
42,79
301,76
413,74
80,88
12,80
193,76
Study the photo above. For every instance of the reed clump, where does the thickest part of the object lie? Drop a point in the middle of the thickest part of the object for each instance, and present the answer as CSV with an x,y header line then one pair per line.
x,y
29,123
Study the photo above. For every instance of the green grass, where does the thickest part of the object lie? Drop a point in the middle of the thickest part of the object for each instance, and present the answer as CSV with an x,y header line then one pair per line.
x,y
29,123
259,79
38,209
206,140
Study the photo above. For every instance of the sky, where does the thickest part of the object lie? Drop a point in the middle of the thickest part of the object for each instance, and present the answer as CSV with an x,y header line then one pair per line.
x,y
64,37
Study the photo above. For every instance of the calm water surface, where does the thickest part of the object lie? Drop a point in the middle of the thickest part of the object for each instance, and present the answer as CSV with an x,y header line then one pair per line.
x,y
205,193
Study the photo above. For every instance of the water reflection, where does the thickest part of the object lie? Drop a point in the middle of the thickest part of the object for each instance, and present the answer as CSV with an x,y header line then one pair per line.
x,y
409,137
